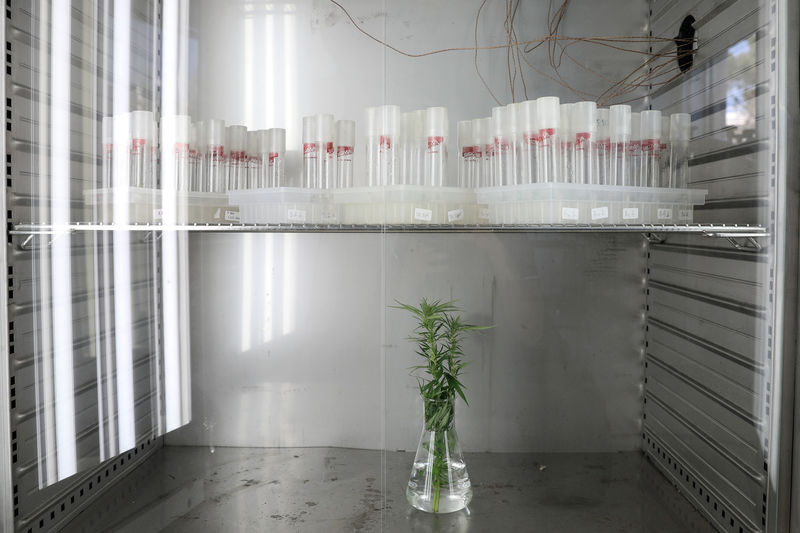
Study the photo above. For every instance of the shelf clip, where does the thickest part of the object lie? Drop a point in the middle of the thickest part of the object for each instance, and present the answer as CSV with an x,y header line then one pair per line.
x,y
28,245
654,238
153,236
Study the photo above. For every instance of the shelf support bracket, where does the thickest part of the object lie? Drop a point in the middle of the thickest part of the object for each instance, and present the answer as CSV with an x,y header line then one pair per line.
x,y
654,238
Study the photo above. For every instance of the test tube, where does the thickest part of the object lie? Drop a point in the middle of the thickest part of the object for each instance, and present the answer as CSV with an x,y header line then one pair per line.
x,y
503,156
405,147
108,151
214,160
153,175
679,135
236,137
254,161
197,151
514,137
345,141
651,144
477,152
664,173
175,131
566,144
276,149
584,120
465,153
487,168
619,126
529,134
603,147
326,161
634,176
310,152
419,148
139,148
548,116
436,130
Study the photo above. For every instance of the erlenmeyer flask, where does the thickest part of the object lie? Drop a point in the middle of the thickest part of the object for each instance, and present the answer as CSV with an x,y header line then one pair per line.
x,y
439,482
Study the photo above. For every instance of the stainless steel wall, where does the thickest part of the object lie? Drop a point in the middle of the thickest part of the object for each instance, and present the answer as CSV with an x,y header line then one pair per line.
x,y
294,342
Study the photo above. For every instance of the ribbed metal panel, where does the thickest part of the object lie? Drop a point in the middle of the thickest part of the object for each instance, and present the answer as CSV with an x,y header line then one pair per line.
x,y
707,376
38,507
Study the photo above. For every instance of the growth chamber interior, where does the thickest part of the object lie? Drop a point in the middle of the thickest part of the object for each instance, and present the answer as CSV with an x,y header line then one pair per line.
x,y
207,263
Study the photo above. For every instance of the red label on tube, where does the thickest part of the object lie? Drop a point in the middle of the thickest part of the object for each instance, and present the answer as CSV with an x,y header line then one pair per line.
x,y
468,152
649,145
530,138
434,142
310,149
182,148
344,152
385,142
137,145
582,140
329,148
502,144
272,157
488,149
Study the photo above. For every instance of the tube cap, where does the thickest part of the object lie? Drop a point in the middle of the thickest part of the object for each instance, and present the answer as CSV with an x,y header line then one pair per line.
x,y
636,127
346,132
619,123
513,114
465,133
236,138
500,124
584,118
486,129
477,131
276,140
436,122
664,128
141,124
565,119
215,132
310,128
527,117
252,143
108,130
651,124
325,128
602,124
680,127
548,112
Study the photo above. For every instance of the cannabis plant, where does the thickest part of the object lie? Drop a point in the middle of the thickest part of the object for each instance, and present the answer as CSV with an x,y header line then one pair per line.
x,y
438,336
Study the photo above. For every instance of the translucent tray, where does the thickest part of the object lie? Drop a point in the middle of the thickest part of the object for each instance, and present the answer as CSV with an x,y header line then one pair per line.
x,y
137,205
568,203
406,204
284,205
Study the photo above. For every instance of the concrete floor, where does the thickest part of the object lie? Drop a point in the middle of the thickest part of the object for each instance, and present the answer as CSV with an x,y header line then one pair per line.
x,y
191,489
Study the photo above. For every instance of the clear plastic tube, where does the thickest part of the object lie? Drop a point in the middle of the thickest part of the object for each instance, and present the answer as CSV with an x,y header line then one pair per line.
x,y
487,167
153,178
529,135
603,147
140,148
436,131
215,160
236,141
584,123
466,153
651,144
619,125
566,152
679,135
372,147
548,117
405,147
196,152
665,176
345,142
477,152
634,175
254,161
418,148
176,136
515,168
108,152
503,154
310,152
276,157
326,160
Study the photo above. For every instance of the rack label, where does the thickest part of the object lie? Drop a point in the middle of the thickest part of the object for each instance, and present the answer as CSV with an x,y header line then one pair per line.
x,y
685,214
296,215
455,215
570,213
158,214
630,213
664,214
425,215
599,213
232,216
483,213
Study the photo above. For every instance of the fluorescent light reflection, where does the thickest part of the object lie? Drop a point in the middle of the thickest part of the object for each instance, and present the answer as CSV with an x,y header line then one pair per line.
x,y
289,282
269,297
61,257
247,291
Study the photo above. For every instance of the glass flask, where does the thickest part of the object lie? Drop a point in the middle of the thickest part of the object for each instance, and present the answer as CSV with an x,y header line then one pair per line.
x,y
439,482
